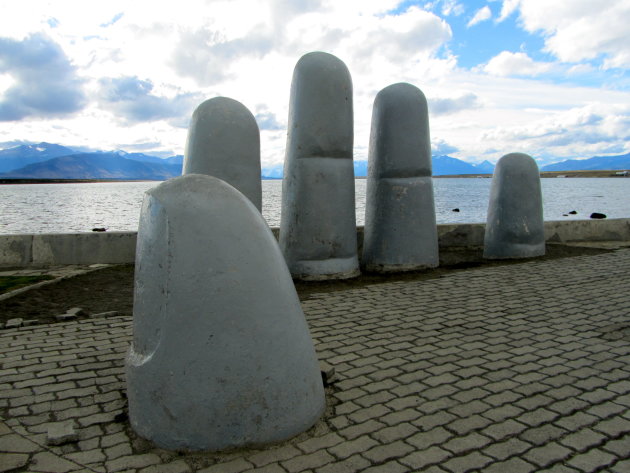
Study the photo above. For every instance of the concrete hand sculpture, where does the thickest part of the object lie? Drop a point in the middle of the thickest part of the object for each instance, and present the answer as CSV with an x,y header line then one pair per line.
x,y
221,354
224,141
318,222
514,227
400,230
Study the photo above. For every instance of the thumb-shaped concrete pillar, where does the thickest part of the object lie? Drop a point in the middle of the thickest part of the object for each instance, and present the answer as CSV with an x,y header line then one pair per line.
x,y
400,231
514,227
221,354
318,233
224,142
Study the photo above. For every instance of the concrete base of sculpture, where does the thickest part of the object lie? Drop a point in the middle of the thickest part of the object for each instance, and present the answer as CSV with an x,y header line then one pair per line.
x,y
406,239
515,225
322,243
221,354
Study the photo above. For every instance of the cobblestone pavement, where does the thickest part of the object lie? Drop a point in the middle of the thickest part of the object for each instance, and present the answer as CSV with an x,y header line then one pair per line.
x,y
514,368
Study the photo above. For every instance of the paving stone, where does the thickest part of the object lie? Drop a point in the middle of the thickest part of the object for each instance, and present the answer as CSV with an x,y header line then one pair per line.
x,y
132,461
117,451
420,459
383,453
503,450
422,440
12,461
613,427
353,464
17,444
583,439
311,461
619,447
460,445
272,455
543,434
513,465
546,455
592,460
468,424
397,432
621,467
389,467
318,443
472,461
355,431
271,468
87,457
234,466
50,463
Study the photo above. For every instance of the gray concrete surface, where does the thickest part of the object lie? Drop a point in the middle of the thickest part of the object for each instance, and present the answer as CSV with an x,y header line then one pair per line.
x,y
514,226
400,233
224,141
221,354
318,221
515,368
120,247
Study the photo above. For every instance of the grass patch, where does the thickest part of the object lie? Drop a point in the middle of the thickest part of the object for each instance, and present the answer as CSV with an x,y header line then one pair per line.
x,y
9,283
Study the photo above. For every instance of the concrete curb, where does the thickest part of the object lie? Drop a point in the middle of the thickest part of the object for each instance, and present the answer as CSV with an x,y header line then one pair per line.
x,y
33,250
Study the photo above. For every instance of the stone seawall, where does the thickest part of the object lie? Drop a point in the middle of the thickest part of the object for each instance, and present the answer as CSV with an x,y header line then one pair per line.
x,y
120,247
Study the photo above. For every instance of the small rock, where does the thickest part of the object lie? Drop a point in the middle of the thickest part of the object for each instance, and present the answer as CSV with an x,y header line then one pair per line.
x,y
65,316
456,210
329,375
29,322
100,315
76,311
573,212
598,215
60,433
14,323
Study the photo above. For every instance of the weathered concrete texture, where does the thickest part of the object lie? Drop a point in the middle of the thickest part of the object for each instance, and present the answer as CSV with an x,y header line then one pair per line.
x,y
16,250
221,354
224,142
318,223
400,231
83,248
514,226
616,229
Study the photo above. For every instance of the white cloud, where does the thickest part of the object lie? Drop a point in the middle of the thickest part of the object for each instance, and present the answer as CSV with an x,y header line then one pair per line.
x,y
482,14
452,7
507,63
507,8
579,131
445,106
576,31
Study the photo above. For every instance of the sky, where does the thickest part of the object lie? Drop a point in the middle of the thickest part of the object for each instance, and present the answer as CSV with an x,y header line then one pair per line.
x,y
547,78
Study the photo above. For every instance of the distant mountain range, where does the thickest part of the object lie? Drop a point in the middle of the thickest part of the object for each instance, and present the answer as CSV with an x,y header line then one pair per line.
x,y
51,161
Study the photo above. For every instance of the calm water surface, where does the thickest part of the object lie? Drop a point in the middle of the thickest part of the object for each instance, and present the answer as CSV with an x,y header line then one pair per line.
x,y
64,208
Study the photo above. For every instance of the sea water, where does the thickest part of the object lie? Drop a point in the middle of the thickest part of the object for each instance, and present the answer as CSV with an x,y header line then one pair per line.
x,y
68,208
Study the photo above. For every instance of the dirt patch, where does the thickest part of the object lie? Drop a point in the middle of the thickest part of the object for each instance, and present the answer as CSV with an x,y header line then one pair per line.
x,y
111,288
